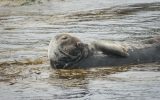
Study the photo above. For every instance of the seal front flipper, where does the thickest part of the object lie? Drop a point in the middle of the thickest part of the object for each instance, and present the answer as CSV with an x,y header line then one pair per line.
x,y
110,48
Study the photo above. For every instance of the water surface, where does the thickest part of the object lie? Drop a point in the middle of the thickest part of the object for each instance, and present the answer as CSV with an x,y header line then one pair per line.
x,y
25,32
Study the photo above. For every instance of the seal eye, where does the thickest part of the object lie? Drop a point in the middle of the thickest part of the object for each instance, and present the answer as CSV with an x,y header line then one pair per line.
x,y
64,37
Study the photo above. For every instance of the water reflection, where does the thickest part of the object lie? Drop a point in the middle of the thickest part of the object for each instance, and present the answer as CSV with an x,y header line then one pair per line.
x,y
40,81
126,83
81,77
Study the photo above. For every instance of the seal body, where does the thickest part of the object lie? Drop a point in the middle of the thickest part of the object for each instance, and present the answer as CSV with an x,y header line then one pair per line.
x,y
66,51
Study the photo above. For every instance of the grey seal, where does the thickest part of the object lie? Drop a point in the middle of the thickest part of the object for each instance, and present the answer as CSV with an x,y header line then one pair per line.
x,y
67,52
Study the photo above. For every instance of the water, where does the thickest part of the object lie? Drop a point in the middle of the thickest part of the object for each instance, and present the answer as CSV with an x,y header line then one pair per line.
x,y
25,32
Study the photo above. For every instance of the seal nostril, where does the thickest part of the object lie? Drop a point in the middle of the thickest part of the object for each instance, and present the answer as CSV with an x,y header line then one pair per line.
x,y
79,44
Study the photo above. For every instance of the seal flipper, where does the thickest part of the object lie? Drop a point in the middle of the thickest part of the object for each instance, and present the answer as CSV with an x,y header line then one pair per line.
x,y
111,48
154,40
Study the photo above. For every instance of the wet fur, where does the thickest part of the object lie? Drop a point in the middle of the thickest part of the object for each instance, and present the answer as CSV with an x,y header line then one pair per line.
x,y
72,53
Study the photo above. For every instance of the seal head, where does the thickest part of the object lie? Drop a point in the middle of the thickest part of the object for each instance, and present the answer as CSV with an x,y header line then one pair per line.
x,y
66,50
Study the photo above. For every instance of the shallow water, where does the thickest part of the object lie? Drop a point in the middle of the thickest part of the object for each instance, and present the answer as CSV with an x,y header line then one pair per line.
x,y
25,32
